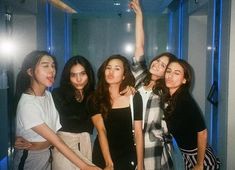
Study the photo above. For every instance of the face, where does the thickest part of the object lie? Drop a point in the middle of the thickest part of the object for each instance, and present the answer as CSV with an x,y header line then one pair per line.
x,y
114,72
174,77
78,77
44,72
158,67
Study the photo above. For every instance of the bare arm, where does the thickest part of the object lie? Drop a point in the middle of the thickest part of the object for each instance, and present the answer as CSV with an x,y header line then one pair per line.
x,y
139,30
102,135
201,145
139,144
49,135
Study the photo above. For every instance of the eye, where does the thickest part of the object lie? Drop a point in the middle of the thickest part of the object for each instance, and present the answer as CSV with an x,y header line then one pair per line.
x,y
72,74
177,73
163,65
108,67
45,65
168,71
83,73
117,68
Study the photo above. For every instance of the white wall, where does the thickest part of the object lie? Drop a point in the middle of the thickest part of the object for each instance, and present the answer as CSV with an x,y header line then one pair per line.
x,y
197,56
24,36
98,38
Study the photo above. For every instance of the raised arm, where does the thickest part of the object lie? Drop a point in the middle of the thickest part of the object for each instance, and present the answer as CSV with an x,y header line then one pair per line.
x,y
139,30
102,136
50,136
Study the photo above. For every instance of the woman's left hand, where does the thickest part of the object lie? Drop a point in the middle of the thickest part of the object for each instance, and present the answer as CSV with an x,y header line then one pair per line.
x,y
198,167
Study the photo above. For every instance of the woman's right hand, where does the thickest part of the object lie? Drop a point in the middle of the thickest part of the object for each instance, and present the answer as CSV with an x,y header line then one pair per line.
x,y
109,167
90,167
134,4
22,143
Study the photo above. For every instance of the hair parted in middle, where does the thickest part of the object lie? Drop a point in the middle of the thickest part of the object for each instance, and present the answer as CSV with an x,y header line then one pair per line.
x,y
102,95
66,88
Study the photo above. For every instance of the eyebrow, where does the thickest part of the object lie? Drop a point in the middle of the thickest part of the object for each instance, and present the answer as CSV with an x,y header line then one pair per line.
x,y
71,72
114,65
177,71
47,62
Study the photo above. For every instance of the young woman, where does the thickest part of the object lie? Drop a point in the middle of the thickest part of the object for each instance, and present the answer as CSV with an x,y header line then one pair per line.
x,y
76,84
112,117
37,119
149,83
184,119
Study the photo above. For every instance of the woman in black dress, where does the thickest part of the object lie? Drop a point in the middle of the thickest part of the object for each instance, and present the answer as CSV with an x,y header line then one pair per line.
x,y
115,146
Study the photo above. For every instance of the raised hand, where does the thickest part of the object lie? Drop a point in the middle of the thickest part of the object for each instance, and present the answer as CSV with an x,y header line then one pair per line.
x,y
135,5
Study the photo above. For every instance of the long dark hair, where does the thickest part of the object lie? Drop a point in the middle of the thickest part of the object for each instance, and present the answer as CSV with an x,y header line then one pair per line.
x,y
66,88
171,100
160,82
23,80
102,95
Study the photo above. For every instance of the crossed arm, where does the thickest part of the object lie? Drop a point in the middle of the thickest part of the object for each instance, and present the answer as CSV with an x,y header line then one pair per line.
x,y
44,131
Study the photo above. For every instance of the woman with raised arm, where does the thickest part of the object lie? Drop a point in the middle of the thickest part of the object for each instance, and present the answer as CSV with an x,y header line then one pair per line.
x,y
149,83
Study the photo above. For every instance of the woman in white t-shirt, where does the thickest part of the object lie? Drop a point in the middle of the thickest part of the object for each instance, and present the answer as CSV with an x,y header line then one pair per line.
x,y
37,119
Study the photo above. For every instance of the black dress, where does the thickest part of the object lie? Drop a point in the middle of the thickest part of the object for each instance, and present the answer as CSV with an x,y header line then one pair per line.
x,y
118,125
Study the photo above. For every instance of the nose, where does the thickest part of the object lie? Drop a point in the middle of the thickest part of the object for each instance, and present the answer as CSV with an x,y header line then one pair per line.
x,y
110,71
169,75
52,69
78,77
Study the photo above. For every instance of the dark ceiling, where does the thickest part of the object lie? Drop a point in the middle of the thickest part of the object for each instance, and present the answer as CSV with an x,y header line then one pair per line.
x,y
108,7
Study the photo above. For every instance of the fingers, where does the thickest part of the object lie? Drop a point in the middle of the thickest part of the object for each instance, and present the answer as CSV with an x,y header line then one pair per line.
x,y
135,6
21,143
125,90
129,90
133,90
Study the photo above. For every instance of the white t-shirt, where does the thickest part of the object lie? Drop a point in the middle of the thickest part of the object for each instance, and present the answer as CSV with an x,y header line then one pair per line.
x,y
145,97
33,111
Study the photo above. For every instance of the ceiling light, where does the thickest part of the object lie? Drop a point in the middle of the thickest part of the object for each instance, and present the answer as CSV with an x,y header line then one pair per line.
x,y
116,3
63,6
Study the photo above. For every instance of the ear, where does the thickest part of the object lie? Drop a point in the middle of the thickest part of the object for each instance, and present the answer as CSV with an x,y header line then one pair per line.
x,y
30,72
184,81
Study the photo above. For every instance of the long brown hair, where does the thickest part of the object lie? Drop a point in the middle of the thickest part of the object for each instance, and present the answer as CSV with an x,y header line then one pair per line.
x,y
171,100
102,96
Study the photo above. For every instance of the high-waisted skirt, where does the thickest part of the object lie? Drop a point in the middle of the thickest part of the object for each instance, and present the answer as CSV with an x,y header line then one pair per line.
x,y
210,160
80,143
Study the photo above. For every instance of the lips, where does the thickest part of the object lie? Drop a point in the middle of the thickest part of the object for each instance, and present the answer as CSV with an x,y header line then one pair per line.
x,y
51,79
168,81
109,77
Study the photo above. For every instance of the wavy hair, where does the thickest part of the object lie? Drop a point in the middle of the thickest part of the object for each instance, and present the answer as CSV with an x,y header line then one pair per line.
x,y
171,100
102,95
